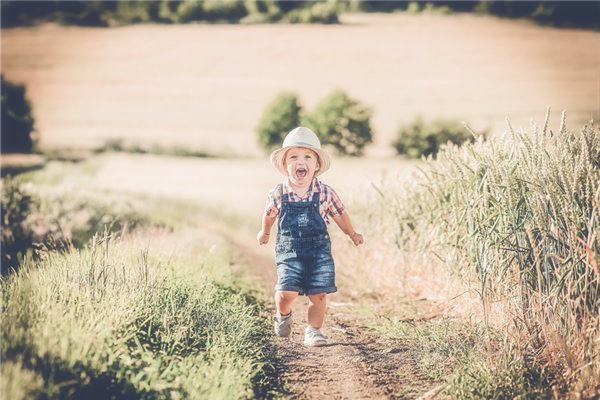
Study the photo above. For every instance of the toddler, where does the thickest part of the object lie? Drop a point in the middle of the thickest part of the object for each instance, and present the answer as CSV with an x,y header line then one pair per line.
x,y
303,206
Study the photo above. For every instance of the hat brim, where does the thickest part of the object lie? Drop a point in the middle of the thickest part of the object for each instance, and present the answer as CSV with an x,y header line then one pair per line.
x,y
278,159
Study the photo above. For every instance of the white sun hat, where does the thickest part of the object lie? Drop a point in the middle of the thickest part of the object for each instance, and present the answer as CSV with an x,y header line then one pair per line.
x,y
300,137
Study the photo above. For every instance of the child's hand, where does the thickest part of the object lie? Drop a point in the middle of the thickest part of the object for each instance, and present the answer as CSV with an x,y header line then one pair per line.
x,y
262,237
357,238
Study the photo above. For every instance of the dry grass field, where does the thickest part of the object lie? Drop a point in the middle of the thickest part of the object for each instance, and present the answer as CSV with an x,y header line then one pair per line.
x,y
206,86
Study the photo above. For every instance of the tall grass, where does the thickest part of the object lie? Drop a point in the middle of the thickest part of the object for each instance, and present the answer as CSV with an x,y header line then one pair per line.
x,y
519,218
114,320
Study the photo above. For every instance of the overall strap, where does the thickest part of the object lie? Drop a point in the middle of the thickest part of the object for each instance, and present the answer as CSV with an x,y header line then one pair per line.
x,y
280,187
316,196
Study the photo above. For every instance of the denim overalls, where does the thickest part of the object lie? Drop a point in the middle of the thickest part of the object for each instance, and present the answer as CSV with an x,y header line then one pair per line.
x,y
303,248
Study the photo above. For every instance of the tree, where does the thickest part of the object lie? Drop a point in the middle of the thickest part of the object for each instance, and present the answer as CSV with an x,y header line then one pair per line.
x,y
342,123
280,117
17,120
418,138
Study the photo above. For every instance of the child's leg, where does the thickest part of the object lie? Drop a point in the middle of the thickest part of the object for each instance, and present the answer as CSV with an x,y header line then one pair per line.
x,y
284,300
317,303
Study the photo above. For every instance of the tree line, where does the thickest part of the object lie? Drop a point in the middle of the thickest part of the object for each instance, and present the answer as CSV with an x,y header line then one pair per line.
x,y
581,14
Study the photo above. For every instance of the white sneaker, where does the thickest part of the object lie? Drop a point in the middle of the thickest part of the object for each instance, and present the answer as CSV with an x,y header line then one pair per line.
x,y
283,324
314,337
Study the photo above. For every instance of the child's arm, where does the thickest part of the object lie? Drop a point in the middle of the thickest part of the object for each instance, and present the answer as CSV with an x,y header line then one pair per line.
x,y
263,234
343,221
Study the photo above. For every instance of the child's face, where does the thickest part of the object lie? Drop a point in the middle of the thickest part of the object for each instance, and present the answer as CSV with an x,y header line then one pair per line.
x,y
301,165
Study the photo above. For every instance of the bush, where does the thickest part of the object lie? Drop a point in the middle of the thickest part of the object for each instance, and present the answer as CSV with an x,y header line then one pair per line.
x,y
261,11
317,12
87,13
209,10
35,222
420,139
224,10
107,13
281,116
17,120
338,120
188,11
581,14
342,123
304,11
131,12
16,236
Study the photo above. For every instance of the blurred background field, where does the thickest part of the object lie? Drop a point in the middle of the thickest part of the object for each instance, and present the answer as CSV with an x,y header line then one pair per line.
x,y
204,86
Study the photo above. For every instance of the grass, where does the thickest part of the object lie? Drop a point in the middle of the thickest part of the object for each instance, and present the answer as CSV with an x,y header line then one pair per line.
x,y
516,221
149,310
13,164
68,205
116,321
466,360
119,145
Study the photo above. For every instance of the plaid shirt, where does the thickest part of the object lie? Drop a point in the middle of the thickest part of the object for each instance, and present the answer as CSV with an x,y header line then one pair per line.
x,y
330,204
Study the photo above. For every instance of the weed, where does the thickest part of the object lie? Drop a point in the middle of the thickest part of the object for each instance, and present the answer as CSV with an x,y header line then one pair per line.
x,y
17,236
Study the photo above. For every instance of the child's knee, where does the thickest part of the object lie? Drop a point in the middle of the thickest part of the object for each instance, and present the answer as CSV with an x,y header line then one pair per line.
x,y
317,298
285,296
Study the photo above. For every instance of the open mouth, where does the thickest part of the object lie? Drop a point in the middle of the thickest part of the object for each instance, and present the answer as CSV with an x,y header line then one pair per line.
x,y
301,172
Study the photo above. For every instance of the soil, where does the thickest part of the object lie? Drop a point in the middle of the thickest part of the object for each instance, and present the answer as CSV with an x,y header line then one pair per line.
x,y
354,365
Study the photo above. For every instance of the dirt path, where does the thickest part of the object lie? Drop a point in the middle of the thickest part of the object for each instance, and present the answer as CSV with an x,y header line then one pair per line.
x,y
336,371
356,364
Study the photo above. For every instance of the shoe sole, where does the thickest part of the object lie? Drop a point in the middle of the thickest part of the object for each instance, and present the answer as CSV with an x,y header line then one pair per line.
x,y
316,344
283,334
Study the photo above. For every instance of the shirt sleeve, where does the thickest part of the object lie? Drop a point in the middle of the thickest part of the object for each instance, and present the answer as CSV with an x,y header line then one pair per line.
x,y
273,203
334,203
